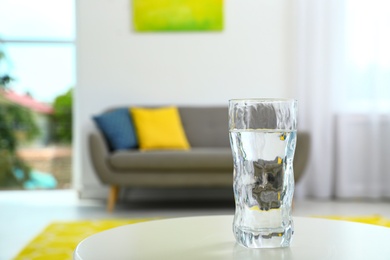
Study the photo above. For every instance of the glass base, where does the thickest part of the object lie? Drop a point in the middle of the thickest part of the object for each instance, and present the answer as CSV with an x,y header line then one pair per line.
x,y
265,238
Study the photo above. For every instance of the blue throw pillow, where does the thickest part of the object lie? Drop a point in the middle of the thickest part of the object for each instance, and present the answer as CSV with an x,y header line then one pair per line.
x,y
118,129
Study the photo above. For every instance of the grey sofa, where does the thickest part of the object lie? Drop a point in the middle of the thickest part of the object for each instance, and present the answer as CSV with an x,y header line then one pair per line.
x,y
208,163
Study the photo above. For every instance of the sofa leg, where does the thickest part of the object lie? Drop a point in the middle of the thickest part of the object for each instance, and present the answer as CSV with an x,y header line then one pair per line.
x,y
112,197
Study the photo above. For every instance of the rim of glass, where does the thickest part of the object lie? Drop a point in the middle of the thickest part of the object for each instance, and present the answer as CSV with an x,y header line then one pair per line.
x,y
269,100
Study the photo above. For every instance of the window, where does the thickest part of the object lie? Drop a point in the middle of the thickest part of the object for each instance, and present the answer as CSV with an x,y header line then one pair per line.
x,y
38,40
367,55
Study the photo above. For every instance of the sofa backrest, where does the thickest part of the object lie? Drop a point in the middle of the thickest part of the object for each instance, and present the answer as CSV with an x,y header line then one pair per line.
x,y
206,126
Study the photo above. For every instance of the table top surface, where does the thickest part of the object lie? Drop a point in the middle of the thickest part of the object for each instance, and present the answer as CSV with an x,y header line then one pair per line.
x,y
211,237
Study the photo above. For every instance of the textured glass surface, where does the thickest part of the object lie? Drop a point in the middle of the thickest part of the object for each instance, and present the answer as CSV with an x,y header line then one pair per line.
x,y
263,154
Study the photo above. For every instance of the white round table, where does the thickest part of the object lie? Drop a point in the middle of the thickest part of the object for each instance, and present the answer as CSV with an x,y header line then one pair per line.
x,y
211,237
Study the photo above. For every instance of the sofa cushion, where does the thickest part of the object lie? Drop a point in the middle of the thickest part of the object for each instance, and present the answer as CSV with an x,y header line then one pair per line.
x,y
117,128
194,159
159,128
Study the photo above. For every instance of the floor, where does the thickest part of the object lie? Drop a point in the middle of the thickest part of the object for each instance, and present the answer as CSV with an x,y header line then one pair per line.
x,y
23,214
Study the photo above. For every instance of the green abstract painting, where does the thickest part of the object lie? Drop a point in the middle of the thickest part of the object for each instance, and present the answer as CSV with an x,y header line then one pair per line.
x,y
178,15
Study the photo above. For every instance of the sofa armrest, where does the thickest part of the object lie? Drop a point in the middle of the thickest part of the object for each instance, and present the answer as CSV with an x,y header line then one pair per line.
x,y
99,151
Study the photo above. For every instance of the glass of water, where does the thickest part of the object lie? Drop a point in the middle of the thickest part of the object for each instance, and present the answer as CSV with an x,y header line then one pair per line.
x,y
263,138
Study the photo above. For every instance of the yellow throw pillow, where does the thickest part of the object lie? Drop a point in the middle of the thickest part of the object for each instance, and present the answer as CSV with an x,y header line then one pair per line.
x,y
159,128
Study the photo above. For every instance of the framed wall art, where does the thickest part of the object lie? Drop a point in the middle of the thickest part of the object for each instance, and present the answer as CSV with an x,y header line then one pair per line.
x,y
177,15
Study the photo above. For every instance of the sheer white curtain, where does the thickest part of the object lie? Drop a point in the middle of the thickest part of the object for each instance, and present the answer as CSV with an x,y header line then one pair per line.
x,y
343,85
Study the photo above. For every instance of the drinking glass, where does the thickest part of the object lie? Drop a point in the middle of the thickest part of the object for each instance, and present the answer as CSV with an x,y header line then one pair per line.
x,y
263,137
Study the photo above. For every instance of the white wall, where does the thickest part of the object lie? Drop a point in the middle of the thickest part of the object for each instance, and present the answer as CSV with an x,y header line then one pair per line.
x,y
117,66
